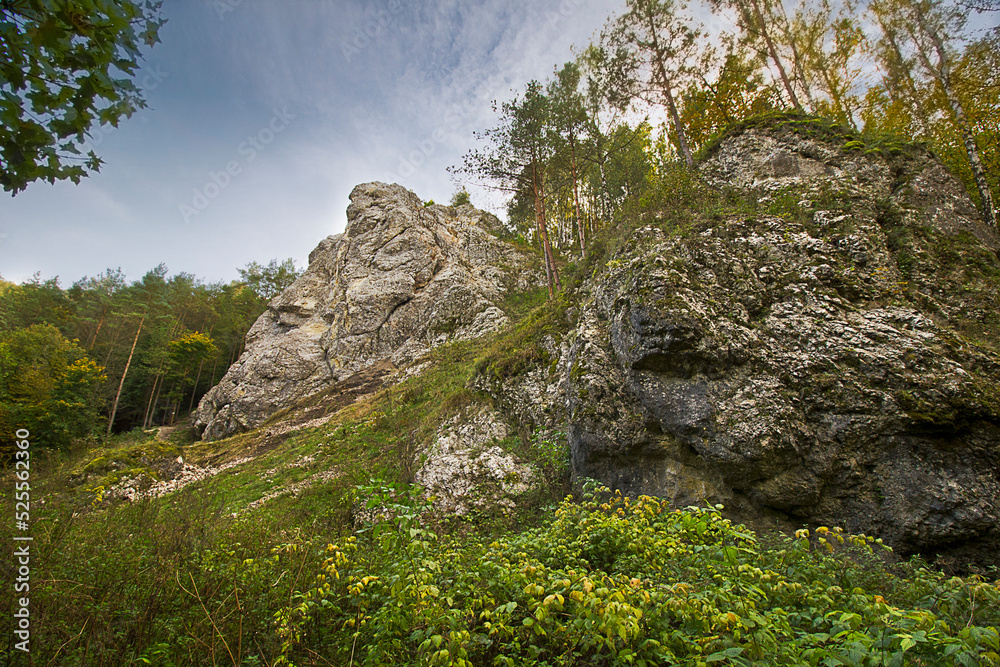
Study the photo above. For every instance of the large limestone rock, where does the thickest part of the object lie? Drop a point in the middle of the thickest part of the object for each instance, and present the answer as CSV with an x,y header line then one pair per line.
x,y
833,359
401,279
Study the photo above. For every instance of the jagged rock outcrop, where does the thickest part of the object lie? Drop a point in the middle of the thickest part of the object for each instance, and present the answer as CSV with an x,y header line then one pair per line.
x,y
401,279
831,358
839,365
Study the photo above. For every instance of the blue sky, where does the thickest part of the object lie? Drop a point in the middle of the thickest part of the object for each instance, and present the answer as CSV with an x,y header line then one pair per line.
x,y
264,114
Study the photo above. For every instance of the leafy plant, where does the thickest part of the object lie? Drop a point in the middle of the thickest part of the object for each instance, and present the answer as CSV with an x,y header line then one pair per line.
x,y
62,75
629,582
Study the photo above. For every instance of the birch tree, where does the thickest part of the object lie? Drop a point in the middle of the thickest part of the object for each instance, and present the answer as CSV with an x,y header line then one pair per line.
x,y
924,38
663,49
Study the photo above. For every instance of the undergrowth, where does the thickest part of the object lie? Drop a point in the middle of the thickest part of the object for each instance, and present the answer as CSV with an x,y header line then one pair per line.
x,y
194,577
627,582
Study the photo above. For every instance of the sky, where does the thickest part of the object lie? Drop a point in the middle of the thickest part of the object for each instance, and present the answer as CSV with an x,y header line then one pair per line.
x,y
263,116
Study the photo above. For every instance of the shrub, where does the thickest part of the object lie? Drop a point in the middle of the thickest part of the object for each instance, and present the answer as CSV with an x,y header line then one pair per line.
x,y
629,582
48,386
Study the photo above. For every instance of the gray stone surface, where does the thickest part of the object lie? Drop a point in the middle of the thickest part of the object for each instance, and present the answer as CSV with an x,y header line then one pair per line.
x,y
465,467
401,279
838,366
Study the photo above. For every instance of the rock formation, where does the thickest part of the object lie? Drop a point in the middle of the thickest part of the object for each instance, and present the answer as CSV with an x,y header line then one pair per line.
x,y
839,366
401,279
829,356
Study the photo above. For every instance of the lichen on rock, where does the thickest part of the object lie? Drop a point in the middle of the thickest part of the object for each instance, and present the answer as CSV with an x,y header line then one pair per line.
x,y
466,468
832,359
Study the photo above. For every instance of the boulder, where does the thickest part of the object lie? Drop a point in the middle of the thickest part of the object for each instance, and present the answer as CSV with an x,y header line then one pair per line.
x,y
401,279
829,357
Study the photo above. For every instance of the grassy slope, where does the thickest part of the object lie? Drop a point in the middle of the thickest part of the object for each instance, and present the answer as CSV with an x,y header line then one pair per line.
x,y
118,582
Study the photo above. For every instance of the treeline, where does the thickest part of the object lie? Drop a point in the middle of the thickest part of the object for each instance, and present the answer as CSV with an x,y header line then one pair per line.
x,y
108,355
654,89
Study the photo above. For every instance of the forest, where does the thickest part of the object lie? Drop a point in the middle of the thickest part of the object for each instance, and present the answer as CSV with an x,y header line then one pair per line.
x,y
107,355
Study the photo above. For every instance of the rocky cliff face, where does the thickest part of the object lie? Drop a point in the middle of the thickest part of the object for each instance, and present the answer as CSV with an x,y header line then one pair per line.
x,y
838,365
401,279
829,356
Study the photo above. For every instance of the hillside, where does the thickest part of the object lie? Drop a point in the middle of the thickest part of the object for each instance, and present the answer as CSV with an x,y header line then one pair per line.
x,y
790,347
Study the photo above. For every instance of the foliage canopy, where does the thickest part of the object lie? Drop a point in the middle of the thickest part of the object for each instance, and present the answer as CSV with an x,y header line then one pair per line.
x,y
66,67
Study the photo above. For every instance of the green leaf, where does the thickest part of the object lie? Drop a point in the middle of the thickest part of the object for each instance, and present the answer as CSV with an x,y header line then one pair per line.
x,y
723,655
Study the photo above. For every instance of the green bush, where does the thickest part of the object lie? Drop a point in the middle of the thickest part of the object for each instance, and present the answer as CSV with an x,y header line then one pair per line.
x,y
624,582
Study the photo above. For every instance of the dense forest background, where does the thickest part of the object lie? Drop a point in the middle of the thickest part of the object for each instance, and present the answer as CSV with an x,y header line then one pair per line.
x,y
108,355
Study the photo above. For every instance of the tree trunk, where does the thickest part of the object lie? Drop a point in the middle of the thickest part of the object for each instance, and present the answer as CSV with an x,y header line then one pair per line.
x,y
576,197
215,365
942,74
910,89
545,230
669,97
152,395
759,19
195,389
121,383
796,58
156,401
93,339
678,128
542,237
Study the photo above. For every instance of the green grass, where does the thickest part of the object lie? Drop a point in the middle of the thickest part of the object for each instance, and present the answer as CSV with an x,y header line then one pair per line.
x,y
196,576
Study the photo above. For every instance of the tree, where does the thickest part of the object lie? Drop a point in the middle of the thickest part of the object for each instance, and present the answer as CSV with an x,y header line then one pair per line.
x,y
920,41
629,170
737,91
94,298
271,280
607,97
757,20
47,385
66,67
515,158
460,198
570,120
663,54
36,301
828,44
187,352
